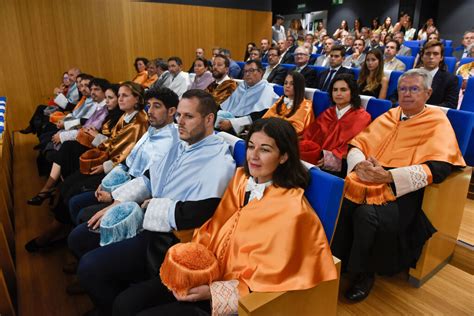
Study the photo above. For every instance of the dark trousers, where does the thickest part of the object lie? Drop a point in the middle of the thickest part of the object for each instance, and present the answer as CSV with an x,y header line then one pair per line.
x,y
83,206
107,271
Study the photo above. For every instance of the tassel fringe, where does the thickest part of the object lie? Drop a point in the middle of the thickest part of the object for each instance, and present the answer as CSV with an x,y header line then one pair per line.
x,y
361,192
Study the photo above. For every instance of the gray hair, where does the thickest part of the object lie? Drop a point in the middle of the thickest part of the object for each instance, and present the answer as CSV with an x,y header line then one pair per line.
x,y
418,72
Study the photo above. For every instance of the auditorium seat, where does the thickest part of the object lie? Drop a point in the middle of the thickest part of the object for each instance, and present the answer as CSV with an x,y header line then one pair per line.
x,y
309,93
444,204
447,43
324,193
408,61
412,44
448,52
356,72
414,50
468,99
450,63
241,64
392,82
465,60
321,101
459,81
278,89
377,107
318,69
288,67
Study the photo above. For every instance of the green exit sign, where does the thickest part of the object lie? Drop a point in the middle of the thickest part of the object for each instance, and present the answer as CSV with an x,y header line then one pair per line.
x,y
334,2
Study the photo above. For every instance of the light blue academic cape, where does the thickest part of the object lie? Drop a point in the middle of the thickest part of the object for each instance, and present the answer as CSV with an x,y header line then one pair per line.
x,y
245,100
86,110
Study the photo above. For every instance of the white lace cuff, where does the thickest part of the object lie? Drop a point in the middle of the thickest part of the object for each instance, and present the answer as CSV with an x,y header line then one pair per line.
x,y
157,215
99,139
239,123
354,156
134,190
65,136
411,178
225,297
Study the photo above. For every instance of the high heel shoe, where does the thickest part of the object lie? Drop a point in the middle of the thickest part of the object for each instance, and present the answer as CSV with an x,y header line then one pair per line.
x,y
40,197
34,246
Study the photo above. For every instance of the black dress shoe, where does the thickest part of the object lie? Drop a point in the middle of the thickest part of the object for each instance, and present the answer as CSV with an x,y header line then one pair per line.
x,y
27,130
34,246
41,196
360,288
75,288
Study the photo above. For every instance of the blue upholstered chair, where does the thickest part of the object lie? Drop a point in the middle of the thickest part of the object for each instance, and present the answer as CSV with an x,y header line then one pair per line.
x,y
450,63
465,60
412,44
278,89
356,72
468,99
321,101
377,107
288,67
393,82
408,61
241,64
318,69
414,50
447,43
448,51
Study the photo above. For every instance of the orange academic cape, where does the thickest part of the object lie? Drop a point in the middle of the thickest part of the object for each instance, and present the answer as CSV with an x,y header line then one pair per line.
x,y
300,120
273,244
331,134
141,77
394,143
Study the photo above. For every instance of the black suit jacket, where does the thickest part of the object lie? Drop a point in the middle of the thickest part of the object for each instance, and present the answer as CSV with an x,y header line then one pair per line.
x,y
277,75
288,58
310,77
322,76
445,90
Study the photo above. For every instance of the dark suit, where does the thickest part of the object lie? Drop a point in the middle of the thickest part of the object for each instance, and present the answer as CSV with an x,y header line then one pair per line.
x,y
458,52
288,58
323,75
348,51
310,77
265,57
445,90
277,75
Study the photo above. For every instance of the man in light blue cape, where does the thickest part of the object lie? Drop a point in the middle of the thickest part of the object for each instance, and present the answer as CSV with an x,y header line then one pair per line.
x,y
249,102
181,192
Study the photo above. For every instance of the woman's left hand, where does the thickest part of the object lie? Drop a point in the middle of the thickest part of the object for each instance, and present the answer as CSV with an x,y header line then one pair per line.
x,y
199,293
97,169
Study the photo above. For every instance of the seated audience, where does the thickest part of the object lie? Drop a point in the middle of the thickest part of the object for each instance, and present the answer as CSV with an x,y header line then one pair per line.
x,y
296,32
320,31
310,40
126,132
264,46
292,105
203,77
374,42
249,48
410,31
357,58
335,68
274,73
427,29
325,141
374,28
404,50
342,31
387,25
381,227
182,191
162,134
323,60
286,56
39,119
234,68
462,51
199,54
249,102
372,80
301,61
356,31
152,72
445,84
140,66
162,73
391,62
466,71
348,43
223,86
178,80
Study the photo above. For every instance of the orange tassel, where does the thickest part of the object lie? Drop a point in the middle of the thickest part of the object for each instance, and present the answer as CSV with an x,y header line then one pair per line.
x,y
188,265
362,192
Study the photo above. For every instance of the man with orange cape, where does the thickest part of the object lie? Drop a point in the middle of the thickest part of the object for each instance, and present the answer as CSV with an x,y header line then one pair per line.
x,y
381,227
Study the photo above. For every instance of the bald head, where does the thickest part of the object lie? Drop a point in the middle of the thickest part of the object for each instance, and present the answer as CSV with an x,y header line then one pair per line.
x,y
72,74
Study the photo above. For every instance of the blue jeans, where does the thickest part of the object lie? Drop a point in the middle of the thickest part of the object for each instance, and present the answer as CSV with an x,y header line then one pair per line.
x,y
83,206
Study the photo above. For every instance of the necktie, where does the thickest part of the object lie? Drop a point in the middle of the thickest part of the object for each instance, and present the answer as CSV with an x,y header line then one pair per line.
x,y
328,80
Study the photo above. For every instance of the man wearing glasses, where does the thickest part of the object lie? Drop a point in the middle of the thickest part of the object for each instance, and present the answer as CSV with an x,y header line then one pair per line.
x,y
381,227
301,62
274,73
248,103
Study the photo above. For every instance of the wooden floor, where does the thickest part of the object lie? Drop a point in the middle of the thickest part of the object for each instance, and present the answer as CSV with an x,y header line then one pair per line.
x,y
466,233
41,282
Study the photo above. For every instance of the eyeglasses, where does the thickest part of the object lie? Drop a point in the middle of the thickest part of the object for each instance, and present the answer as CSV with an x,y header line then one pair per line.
x,y
301,54
250,71
413,90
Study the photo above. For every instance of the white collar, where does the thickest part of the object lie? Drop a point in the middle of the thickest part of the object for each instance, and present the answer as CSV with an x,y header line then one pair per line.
x,y
340,113
128,117
409,117
101,104
288,102
226,77
256,189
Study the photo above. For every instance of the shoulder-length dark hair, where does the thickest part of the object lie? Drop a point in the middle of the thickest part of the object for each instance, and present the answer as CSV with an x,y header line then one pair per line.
x,y
114,115
372,80
298,98
292,173
143,59
349,79
247,53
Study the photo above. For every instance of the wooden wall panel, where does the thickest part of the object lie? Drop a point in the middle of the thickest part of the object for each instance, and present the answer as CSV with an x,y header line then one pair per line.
x,y
40,39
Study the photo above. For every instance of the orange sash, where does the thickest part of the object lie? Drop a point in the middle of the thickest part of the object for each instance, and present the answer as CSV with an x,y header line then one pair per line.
x,y
273,244
427,136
